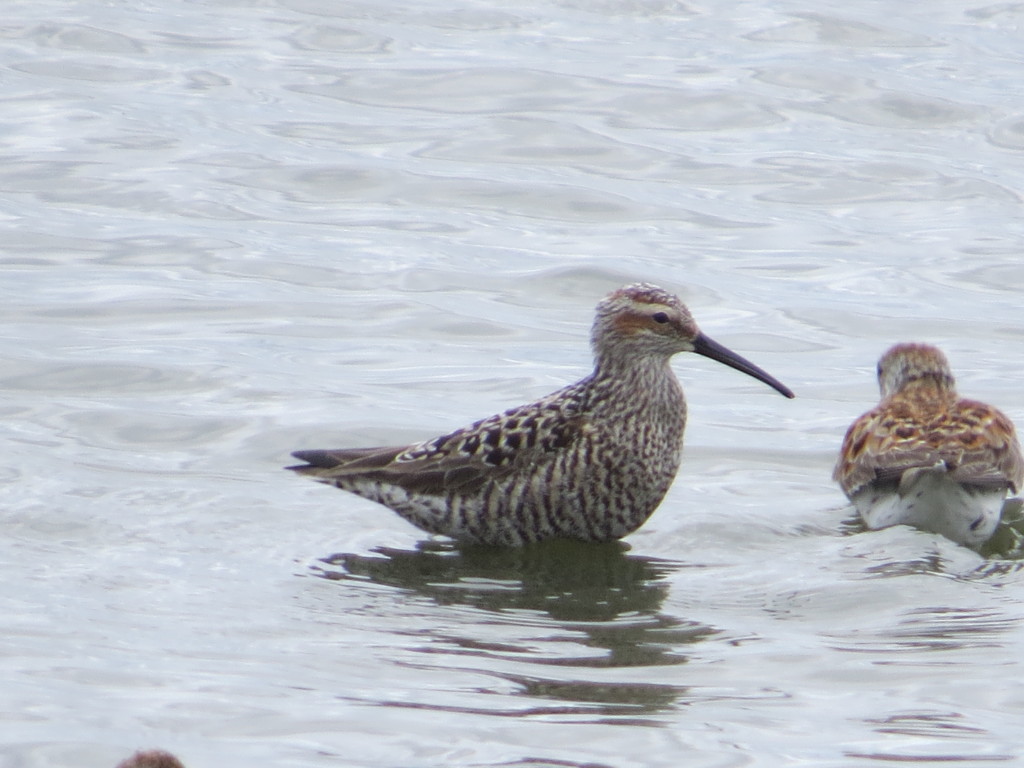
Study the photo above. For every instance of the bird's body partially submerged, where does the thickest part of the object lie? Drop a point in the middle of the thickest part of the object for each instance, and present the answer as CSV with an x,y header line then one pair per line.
x,y
591,461
926,457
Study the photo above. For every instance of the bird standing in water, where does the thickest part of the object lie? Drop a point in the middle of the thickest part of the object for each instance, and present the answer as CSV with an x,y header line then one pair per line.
x,y
927,458
591,461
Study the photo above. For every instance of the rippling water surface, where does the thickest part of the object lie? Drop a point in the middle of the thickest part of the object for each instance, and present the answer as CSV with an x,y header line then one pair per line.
x,y
237,229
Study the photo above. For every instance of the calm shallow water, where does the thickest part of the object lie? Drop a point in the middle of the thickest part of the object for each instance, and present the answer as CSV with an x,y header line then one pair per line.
x,y
237,229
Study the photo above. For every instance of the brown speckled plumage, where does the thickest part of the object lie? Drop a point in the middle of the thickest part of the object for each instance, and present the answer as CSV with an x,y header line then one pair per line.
x,y
155,758
926,457
591,461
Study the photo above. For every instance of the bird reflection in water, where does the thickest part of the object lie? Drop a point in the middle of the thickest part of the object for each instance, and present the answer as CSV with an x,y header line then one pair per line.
x,y
1003,553
584,605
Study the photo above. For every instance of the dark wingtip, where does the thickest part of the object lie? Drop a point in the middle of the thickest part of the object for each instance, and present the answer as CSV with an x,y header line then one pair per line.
x,y
314,460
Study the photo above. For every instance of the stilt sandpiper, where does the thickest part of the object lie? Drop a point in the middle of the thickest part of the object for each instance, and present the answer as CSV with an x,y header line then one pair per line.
x,y
591,461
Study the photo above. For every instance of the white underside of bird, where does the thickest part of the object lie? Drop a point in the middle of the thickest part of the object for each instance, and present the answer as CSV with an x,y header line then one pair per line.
x,y
929,498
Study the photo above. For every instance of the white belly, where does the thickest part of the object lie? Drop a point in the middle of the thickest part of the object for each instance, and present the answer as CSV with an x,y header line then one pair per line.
x,y
930,500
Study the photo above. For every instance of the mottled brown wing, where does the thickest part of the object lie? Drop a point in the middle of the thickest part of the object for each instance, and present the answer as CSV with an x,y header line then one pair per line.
x,y
462,460
870,453
986,450
417,476
974,441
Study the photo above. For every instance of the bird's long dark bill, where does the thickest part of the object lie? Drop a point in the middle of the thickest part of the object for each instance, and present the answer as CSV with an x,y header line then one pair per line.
x,y
702,345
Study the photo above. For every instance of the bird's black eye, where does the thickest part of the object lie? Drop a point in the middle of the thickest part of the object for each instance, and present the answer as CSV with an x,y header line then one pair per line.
x,y
659,317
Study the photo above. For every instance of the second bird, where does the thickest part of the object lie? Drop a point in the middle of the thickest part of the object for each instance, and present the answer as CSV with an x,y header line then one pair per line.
x,y
591,461
926,457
